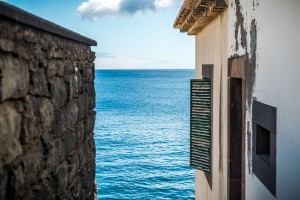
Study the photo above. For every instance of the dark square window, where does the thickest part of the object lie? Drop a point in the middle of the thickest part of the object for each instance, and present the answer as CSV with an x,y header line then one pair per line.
x,y
263,143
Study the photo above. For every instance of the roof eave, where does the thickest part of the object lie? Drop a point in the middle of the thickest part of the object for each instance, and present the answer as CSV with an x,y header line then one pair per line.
x,y
194,15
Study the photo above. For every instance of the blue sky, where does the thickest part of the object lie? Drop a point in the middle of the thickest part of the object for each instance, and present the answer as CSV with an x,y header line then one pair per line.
x,y
130,33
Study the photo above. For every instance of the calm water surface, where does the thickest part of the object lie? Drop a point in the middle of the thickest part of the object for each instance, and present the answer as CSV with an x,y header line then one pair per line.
x,y
142,134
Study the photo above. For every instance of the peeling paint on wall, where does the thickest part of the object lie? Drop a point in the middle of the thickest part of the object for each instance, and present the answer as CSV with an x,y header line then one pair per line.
x,y
250,51
251,63
239,26
250,80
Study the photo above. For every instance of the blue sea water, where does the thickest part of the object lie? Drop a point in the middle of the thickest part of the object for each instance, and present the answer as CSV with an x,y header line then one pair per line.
x,y
142,134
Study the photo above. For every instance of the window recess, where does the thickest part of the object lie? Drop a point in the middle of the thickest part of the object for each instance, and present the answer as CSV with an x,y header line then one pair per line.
x,y
264,144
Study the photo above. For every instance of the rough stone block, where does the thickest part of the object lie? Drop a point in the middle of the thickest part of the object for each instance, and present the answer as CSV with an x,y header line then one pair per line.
x,y
17,32
3,183
83,70
90,121
92,56
51,69
59,91
69,67
76,188
73,167
80,133
15,183
81,157
90,72
10,128
66,119
7,45
70,115
72,85
40,191
83,108
59,127
60,69
55,155
45,42
58,54
33,65
3,32
18,105
68,143
28,36
39,54
55,67
84,177
39,85
23,51
33,161
92,95
29,123
62,177
47,141
14,78
38,117
45,190
79,82
46,114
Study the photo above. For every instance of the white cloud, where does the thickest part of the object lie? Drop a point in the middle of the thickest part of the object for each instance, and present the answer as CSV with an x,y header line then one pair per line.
x,y
106,61
162,4
98,8
93,9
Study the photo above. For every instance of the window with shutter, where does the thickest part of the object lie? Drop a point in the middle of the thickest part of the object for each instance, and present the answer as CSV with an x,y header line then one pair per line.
x,y
200,124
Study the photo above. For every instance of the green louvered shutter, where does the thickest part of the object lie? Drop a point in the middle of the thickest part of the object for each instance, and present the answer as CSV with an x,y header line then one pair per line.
x,y
200,127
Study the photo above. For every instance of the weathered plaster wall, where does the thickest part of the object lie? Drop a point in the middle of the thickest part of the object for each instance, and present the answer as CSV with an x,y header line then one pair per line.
x,y
212,48
272,30
47,98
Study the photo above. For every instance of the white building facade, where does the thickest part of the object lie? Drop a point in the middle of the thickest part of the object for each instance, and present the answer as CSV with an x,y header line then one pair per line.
x,y
249,50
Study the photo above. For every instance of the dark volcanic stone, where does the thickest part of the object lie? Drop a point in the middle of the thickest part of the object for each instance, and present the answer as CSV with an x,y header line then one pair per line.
x,y
46,120
39,85
15,183
14,78
10,128
3,183
29,121
59,91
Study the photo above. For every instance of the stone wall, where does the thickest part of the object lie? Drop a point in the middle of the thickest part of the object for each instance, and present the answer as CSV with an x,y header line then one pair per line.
x,y
47,97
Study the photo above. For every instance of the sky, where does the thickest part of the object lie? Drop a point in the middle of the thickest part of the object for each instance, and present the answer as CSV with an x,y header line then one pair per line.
x,y
131,34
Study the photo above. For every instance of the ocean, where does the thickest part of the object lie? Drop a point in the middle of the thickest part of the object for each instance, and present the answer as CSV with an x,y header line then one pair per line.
x,y
142,134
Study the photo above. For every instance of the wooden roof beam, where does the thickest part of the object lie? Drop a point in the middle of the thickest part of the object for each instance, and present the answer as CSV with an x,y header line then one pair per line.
x,y
194,15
